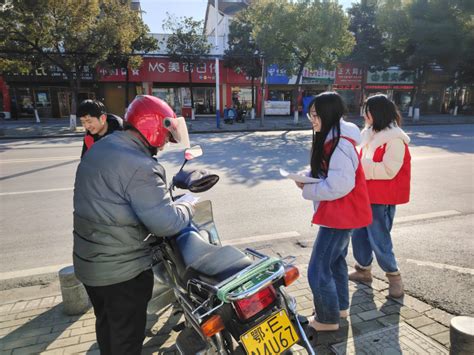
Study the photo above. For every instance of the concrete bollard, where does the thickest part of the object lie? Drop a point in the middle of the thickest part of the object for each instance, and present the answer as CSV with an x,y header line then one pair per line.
x,y
416,114
75,298
461,334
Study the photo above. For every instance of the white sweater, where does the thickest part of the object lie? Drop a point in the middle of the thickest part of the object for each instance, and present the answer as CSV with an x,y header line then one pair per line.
x,y
395,138
341,172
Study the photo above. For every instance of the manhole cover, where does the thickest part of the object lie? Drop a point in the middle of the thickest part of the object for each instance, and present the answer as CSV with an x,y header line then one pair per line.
x,y
396,339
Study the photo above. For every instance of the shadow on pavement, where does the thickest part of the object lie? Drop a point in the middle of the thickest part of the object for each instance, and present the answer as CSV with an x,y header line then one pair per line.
x,y
38,334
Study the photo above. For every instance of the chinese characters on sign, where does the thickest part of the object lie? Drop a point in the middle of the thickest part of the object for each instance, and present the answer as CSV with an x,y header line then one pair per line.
x,y
163,70
390,76
348,74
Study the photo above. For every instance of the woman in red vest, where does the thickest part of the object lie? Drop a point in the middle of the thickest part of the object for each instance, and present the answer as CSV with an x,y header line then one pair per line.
x,y
341,203
386,161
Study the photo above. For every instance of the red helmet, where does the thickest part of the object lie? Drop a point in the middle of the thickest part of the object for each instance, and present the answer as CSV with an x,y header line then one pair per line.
x,y
156,121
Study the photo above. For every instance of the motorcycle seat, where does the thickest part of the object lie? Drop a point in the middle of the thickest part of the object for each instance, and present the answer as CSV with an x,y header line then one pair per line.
x,y
207,262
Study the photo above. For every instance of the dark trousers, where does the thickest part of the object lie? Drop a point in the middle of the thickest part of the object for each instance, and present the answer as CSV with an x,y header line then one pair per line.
x,y
120,311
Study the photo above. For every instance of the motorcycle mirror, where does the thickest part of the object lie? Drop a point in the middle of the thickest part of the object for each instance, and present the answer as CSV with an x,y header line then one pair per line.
x,y
193,152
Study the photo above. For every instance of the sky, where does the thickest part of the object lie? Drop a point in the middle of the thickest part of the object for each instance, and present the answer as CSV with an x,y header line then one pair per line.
x,y
155,10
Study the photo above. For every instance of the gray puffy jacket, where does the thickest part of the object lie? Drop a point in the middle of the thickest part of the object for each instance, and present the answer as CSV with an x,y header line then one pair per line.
x,y
120,196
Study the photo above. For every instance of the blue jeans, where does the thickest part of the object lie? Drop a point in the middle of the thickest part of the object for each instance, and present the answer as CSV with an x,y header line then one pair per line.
x,y
327,274
376,239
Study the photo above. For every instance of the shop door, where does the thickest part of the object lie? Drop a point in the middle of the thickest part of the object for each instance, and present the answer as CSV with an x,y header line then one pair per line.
x,y
115,99
402,99
204,101
64,101
43,102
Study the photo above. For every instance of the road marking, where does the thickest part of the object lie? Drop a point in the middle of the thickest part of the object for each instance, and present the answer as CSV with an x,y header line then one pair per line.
x,y
430,215
461,270
440,156
36,191
32,272
37,160
262,238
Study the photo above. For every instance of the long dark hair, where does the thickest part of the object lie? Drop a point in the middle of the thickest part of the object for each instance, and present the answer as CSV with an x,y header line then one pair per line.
x,y
383,112
330,107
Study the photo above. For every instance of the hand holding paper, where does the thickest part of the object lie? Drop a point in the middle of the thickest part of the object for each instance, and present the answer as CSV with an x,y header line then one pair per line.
x,y
188,198
299,178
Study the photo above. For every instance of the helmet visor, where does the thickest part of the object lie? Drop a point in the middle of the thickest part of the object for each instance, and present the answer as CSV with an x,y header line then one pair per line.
x,y
178,130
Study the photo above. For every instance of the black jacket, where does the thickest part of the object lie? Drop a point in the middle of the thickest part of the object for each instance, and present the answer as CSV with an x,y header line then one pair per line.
x,y
114,123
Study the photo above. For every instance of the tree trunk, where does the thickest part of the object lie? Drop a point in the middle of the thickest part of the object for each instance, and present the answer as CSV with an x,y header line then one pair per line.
x,y
127,81
253,92
262,104
75,83
419,80
365,70
296,91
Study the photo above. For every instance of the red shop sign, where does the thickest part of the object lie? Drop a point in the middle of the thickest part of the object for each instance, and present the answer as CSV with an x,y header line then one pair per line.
x,y
348,73
162,70
379,87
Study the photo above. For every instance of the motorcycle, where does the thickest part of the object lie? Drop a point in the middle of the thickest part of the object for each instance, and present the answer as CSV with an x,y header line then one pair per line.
x,y
241,115
233,301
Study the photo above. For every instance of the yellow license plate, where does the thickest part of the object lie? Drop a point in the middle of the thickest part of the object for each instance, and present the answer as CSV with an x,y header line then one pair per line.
x,y
273,336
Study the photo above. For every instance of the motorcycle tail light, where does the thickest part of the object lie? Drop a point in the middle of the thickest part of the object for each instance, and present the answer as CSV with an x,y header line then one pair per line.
x,y
248,307
212,326
291,275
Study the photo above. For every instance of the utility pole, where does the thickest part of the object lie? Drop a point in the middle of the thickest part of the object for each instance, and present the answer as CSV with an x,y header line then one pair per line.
x,y
218,115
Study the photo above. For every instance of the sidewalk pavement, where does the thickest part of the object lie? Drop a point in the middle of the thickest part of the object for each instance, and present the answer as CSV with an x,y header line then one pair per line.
x,y
59,127
32,321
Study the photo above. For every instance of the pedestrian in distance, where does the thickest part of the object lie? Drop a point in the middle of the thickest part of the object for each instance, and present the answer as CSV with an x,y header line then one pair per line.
x,y
121,204
97,122
341,203
387,165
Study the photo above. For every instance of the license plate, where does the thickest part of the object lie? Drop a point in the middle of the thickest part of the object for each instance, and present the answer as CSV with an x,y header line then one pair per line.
x,y
273,336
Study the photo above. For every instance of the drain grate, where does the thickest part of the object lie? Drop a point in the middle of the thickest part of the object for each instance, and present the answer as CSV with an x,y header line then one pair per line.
x,y
396,339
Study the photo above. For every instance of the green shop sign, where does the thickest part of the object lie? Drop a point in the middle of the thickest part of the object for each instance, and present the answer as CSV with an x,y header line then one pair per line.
x,y
390,76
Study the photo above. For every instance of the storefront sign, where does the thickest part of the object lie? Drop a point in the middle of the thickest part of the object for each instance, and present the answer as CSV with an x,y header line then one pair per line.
x,y
389,87
276,75
49,74
319,76
163,70
277,107
390,76
348,74
237,76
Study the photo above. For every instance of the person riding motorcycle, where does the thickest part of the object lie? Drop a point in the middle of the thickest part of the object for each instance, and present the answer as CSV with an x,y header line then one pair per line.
x,y
120,198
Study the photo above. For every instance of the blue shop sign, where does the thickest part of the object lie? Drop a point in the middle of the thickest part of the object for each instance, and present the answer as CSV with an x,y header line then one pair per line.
x,y
275,75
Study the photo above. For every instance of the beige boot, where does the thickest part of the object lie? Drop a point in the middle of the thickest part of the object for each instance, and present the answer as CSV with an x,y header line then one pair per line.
x,y
322,327
361,274
395,285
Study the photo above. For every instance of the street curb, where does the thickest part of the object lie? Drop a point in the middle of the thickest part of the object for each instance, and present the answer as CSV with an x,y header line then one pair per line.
x,y
31,277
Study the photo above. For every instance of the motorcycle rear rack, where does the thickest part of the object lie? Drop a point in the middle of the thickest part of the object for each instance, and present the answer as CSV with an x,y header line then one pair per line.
x,y
225,291
228,290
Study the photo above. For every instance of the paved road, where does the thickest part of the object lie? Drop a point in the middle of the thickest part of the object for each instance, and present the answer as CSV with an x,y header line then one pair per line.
x,y
433,234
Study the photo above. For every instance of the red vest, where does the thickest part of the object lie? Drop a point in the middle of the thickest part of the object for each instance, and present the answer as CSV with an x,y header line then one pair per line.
x,y
89,141
395,191
350,211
